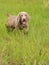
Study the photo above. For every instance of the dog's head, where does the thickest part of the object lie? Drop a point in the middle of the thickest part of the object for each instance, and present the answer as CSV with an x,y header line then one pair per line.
x,y
24,18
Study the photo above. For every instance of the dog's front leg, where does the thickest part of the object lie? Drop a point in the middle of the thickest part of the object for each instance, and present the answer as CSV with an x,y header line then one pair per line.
x,y
26,29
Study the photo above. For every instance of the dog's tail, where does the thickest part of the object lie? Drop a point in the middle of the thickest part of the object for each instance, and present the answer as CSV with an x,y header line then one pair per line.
x,y
8,15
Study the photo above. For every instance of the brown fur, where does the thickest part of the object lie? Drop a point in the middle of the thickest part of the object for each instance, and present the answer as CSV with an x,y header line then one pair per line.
x,y
20,21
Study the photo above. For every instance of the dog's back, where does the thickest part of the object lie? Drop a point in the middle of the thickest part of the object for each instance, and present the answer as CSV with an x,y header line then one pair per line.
x,y
12,21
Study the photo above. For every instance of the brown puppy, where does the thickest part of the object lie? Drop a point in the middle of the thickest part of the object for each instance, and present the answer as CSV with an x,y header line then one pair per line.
x,y
20,21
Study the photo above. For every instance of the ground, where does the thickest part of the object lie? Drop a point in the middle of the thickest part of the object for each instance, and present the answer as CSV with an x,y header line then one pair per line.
x,y
29,49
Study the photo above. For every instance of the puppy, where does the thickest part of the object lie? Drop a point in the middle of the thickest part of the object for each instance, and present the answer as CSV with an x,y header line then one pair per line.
x,y
20,21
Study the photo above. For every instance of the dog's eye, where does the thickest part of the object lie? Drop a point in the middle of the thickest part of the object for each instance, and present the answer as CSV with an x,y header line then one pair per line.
x,y
25,15
21,15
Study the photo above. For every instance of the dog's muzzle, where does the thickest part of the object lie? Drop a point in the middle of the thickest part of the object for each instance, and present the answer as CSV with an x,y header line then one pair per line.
x,y
24,22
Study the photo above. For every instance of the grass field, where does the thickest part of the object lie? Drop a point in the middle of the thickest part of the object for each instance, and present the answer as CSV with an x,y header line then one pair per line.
x,y
17,48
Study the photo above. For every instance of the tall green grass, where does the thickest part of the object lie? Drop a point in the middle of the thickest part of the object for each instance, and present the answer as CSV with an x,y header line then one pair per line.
x,y
17,48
